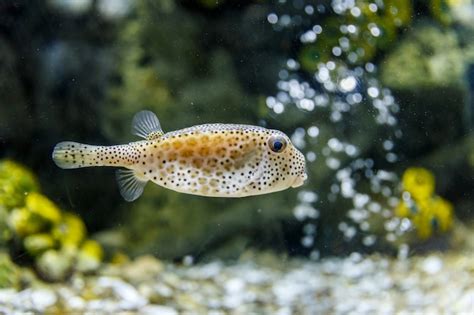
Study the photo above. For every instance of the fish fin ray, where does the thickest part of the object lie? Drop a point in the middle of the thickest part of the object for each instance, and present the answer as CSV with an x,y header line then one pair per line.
x,y
145,124
130,186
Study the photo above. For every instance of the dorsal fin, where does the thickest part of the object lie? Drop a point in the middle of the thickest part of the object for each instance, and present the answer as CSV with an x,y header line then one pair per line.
x,y
145,124
130,186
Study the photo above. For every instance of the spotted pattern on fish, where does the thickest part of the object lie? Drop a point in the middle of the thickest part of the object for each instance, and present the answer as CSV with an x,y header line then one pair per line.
x,y
216,160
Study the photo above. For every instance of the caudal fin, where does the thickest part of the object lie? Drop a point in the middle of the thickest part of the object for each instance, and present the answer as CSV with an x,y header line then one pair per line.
x,y
75,155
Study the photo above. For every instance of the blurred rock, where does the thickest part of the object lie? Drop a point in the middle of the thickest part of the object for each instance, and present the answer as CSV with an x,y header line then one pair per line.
x,y
9,272
34,300
36,244
142,268
158,309
357,283
428,56
432,265
54,265
89,257
125,295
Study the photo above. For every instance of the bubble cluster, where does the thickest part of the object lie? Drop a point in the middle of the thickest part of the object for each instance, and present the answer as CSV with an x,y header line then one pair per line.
x,y
344,90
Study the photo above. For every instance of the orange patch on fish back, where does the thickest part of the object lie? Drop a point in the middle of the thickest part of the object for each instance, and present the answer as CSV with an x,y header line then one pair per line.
x,y
191,141
172,156
177,144
203,151
217,139
204,139
165,145
186,153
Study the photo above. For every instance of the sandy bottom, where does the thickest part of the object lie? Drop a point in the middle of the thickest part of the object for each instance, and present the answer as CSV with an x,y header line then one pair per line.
x,y
262,284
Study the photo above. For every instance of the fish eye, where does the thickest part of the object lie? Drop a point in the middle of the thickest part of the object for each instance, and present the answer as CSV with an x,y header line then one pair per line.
x,y
277,143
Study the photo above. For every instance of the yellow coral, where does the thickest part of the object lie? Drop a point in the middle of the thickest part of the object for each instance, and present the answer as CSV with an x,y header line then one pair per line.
x,y
419,182
38,243
93,249
119,258
89,256
430,214
43,208
9,273
442,218
15,182
441,10
22,222
70,231
436,215
422,223
405,210
400,12
54,239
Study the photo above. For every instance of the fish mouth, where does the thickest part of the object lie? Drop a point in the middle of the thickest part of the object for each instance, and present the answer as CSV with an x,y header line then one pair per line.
x,y
299,181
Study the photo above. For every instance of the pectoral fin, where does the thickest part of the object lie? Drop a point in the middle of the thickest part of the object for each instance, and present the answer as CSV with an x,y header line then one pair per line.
x,y
248,159
251,161
130,186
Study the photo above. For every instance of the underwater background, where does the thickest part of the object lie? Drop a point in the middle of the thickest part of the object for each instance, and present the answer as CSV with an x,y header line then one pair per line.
x,y
378,95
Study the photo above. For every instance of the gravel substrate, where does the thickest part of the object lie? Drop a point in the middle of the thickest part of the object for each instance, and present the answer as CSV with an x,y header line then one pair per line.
x,y
434,284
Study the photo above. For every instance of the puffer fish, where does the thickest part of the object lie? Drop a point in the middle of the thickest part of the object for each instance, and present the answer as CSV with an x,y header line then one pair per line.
x,y
214,160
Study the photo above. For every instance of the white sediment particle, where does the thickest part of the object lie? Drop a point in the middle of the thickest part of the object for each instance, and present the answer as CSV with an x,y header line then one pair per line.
x,y
36,300
158,309
432,265
128,297
235,292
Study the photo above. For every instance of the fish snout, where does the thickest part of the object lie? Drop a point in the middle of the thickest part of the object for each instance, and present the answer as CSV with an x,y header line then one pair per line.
x,y
299,180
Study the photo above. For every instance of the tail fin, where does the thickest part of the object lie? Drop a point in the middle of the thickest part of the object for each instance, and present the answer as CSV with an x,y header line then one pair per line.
x,y
75,155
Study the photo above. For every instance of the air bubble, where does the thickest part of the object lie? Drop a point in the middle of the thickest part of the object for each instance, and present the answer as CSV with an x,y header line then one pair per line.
x,y
272,18
313,131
